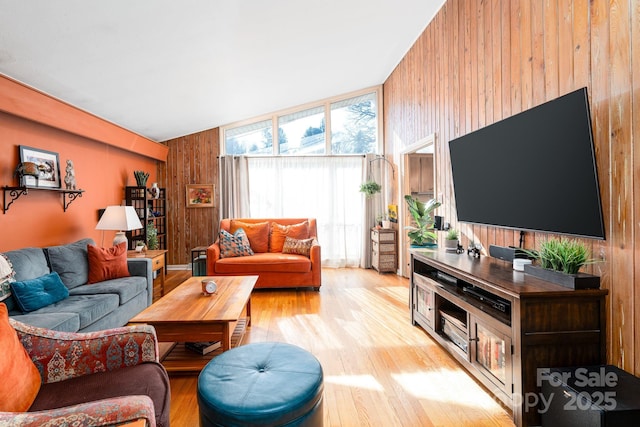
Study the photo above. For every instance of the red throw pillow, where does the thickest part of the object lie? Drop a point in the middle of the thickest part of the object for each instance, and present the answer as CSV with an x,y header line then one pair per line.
x,y
258,234
107,263
280,232
20,377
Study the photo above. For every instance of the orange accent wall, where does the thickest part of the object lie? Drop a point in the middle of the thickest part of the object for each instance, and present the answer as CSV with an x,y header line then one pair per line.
x,y
101,169
22,101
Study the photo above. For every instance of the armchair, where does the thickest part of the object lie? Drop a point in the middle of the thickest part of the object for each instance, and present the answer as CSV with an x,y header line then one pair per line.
x,y
103,378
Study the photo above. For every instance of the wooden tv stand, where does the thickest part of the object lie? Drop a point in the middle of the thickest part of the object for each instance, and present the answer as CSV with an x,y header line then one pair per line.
x,y
502,325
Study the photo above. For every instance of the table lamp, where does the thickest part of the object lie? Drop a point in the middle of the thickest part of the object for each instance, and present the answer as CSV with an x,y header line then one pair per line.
x,y
120,218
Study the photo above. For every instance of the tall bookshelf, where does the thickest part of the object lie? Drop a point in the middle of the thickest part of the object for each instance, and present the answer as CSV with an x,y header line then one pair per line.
x,y
149,210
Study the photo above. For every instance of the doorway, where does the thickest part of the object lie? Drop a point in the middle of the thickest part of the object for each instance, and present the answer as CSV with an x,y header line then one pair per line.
x,y
417,178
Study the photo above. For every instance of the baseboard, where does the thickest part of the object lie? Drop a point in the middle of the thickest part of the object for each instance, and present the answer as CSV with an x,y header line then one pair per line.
x,y
179,267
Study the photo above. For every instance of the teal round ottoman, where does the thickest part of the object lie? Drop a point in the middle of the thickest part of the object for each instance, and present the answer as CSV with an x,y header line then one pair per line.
x,y
261,384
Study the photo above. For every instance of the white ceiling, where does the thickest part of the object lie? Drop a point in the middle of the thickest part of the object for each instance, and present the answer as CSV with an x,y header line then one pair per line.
x,y
167,68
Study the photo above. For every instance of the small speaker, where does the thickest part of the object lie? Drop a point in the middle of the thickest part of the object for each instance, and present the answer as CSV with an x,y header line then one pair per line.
x,y
506,253
437,222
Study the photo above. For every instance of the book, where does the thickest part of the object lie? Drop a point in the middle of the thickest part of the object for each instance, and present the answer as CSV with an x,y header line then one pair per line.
x,y
203,347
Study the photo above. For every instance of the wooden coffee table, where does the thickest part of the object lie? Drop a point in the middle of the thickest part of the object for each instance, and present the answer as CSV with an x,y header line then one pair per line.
x,y
185,314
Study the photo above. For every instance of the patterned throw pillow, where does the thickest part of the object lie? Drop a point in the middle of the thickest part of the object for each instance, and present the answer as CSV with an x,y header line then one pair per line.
x,y
234,245
297,246
6,277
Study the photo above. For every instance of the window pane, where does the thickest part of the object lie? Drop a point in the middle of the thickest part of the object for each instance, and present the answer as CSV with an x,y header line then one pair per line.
x,y
255,138
302,132
354,125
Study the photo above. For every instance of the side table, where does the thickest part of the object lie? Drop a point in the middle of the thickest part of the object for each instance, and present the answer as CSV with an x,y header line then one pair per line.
x,y
158,262
199,261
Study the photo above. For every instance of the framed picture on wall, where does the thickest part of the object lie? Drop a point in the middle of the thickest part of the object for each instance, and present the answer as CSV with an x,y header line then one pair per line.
x,y
48,167
199,195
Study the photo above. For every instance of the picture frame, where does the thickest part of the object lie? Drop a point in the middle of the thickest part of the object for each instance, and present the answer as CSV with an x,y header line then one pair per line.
x,y
48,163
200,195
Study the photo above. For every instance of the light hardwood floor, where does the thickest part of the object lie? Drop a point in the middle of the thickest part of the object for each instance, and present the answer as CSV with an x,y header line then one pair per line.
x,y
379,370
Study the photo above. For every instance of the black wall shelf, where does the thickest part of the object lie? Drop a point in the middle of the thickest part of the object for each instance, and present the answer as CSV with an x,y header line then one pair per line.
x,y
14,193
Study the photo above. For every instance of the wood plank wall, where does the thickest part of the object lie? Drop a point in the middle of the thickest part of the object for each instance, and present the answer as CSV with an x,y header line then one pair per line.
x,y
481,61
192,160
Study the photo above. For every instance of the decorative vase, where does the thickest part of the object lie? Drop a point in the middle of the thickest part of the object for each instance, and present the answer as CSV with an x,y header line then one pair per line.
x,y
386,224
154,190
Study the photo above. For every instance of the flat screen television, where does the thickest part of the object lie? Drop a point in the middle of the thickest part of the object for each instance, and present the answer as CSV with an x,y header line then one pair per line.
x,y
534,171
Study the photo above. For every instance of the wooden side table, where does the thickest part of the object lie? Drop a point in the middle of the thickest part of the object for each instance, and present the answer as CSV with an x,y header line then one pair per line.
x,y
158,262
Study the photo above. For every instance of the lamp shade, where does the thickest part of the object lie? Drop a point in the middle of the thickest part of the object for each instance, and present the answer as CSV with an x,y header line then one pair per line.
x,y
121,218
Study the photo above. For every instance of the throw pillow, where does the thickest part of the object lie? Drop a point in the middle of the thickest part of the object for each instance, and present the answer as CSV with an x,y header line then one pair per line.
x,y
70,262
20,377
234,245
6,277
40,292
107,263
297,246
280,232
258,234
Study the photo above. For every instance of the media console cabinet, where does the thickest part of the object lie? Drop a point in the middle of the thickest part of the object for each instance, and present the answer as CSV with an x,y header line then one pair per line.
x,y
503,325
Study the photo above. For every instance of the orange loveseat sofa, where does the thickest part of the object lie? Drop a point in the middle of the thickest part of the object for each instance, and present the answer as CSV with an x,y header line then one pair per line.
x,y
274,268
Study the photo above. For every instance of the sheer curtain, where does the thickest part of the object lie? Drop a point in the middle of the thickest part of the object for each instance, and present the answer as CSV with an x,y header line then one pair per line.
x,y
325,188
234,187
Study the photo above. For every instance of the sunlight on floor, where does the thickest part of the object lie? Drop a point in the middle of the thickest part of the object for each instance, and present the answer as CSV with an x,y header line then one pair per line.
x,y
448,387
360,381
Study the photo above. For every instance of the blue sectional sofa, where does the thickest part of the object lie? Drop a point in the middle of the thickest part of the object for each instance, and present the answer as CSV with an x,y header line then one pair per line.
x,y
89,307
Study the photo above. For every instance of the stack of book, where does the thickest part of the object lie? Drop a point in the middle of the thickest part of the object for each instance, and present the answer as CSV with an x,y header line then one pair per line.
x,y
203,348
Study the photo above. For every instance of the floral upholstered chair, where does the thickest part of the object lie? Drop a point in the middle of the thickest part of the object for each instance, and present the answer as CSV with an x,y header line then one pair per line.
x,y
105,378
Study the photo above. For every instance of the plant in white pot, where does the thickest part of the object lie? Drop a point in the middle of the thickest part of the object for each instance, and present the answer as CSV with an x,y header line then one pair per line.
x,y
422,234
451,240
560,261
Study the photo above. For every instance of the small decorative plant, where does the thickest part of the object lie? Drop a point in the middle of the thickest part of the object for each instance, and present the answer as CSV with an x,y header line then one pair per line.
x,y
451,239
370,188
565,255
152,236
452,234
422,234
141,178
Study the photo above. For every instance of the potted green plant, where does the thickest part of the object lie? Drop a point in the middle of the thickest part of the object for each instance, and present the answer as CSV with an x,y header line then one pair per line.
x,y
422,233
451,240
370,188
152,236
560,260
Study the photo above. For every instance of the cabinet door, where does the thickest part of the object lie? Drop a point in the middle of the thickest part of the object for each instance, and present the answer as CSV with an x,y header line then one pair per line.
x,y
423,302
491,353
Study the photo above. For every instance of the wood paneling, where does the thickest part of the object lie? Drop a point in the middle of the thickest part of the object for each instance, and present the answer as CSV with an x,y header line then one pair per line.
x,y
479,62
192,159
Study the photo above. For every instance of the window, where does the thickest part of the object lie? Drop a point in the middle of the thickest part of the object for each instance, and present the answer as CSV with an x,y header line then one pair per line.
x,y
256,138
302,132
353,128
354,125
322,187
